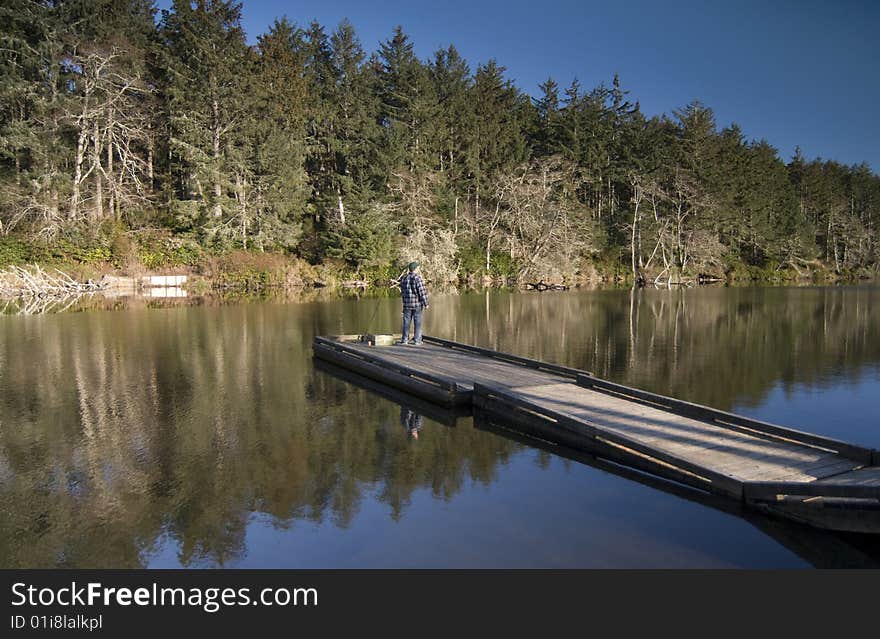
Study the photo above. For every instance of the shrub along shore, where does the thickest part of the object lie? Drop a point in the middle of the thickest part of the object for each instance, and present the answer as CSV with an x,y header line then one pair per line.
x,y
259,271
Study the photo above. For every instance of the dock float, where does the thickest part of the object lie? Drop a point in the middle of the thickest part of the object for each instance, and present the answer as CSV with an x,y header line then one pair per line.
x,y
801,476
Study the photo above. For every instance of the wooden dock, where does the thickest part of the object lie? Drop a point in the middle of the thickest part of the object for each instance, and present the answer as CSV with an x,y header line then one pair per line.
x,y
809,478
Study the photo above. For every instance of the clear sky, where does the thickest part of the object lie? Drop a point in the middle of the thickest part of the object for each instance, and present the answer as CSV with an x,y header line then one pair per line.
x,y
793,72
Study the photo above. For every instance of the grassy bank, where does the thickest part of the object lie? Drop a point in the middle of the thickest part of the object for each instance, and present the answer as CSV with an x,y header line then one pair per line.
x,y
134,254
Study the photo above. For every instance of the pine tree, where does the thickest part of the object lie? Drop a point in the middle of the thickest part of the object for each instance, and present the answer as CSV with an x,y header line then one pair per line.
x,y
271,184
32,150
548,134
408,106
356,179
451,77
203,53
344,167
496,140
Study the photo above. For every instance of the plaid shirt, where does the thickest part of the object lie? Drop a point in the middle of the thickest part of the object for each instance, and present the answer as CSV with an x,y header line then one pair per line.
x,y
413,290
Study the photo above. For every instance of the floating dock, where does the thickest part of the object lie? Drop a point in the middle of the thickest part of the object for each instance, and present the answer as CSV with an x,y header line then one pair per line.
x,y
816,480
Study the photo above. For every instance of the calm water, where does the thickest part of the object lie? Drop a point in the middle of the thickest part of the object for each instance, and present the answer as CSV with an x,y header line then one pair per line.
x,y
205,436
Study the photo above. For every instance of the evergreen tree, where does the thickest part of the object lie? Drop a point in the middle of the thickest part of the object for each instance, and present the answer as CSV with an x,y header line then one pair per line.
x,y
496,140
356,179
271,184
547,137
203,55
320,121
347,180
32,148
451,77
408,106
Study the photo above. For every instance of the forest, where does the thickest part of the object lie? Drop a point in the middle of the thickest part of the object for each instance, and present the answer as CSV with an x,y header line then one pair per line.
x,y
134,139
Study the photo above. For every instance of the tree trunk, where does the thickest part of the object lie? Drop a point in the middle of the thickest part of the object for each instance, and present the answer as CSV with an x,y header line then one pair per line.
x,y
341,209
111,205
634,244
611,198
50,165
488,251
829,240
77,173
241,195
150,165
258,217
215,150
99,182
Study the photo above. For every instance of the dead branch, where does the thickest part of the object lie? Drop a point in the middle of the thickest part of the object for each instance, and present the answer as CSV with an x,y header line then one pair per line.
x,y
35,283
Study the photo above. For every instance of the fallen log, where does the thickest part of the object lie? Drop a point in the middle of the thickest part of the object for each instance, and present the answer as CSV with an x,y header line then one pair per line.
x,y
34,281
543,286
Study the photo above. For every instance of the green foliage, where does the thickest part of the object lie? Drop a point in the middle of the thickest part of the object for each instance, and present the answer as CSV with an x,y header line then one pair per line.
x,y
14,251
77,250
249,271
364,242
308,145
19,251
473,262
472,259
185,216
611,262
502,265
170,252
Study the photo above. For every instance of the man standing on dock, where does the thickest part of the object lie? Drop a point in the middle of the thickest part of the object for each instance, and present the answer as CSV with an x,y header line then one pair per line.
x,y
415,301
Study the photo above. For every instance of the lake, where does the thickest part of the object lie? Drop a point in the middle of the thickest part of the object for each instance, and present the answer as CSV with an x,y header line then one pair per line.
x,y
204,435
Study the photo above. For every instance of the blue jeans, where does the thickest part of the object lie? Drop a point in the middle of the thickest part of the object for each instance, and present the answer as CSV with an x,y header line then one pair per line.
x,y
413,315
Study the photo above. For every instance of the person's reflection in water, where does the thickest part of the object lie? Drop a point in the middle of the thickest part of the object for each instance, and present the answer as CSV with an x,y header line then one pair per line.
x,y
411,422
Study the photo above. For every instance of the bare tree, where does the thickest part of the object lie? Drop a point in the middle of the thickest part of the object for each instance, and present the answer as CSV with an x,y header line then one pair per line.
x,y
414,197
638,195
114,140
546,228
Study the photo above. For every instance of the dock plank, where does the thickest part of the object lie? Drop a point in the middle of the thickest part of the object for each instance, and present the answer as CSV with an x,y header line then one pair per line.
x,y
729,451
861,477
467,367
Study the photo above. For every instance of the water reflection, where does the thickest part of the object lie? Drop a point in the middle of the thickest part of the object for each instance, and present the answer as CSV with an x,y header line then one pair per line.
x,y
187,433
820,548
411,421
409,404
130,427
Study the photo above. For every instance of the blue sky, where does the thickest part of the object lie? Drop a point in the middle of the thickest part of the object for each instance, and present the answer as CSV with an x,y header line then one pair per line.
x,y
793,72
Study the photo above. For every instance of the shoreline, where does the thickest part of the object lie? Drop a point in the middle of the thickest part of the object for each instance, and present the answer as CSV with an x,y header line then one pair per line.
x,y
198,293
247,273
